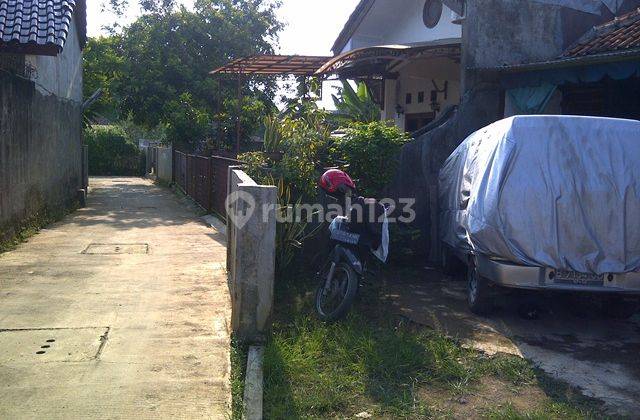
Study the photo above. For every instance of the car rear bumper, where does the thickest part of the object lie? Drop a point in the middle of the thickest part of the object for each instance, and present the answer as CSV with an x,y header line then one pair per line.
x,y
513,275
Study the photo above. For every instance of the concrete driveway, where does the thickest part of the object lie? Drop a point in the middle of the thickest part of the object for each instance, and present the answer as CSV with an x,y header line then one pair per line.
x,y
570,342
119,311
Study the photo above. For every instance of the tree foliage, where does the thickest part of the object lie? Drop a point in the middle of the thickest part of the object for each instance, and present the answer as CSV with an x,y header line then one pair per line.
x,y
370,154
157,69
103,62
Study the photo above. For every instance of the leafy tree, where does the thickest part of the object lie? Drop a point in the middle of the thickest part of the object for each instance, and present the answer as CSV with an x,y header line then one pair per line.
x,y
186,122
169,51
103,64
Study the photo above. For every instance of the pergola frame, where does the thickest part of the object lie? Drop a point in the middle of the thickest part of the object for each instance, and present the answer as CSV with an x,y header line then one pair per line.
x,y
268,65
274,65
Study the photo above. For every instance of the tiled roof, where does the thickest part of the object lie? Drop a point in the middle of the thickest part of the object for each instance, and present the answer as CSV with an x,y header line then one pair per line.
x,y
40,26
618,35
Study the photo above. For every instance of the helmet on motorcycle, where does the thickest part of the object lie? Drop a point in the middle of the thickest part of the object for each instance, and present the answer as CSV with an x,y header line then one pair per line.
x,y
336,181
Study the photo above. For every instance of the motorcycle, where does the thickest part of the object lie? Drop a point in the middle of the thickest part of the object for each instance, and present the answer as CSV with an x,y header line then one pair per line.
x,y
353,242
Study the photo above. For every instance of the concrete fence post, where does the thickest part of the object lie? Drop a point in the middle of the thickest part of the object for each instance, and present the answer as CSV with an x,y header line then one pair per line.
x,y
251,231
85,167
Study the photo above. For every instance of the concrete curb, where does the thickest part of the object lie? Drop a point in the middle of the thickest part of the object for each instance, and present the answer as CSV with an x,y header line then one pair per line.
x,y
253,384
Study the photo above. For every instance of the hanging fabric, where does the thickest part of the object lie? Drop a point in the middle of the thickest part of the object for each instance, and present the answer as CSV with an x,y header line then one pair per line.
x,y
532,100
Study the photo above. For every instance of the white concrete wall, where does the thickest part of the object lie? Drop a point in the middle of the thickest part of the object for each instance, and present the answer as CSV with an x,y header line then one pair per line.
x,y
62,74
400,22
165,163
416,77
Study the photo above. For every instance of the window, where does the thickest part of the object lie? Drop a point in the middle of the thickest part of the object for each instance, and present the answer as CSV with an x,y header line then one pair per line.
x,y
420,97
408,99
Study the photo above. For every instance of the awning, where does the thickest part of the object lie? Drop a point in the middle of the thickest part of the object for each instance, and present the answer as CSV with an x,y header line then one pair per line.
x,y
299,65
385,59
618,65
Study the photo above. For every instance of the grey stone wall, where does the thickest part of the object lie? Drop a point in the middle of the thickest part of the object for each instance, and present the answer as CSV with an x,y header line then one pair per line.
x,y
40,152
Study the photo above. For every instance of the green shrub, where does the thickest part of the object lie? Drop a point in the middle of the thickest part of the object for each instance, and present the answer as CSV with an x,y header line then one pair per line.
x,y
301,149
369,152
111,154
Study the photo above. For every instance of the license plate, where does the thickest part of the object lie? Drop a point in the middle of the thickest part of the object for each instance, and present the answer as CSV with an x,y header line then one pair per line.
x,y
578,279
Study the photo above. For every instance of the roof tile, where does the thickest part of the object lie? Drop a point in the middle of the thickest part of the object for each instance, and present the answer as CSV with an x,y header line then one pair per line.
x,y
39,26
622,33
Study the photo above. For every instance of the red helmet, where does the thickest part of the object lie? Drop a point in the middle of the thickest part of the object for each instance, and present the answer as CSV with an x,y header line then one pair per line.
x,y
335,180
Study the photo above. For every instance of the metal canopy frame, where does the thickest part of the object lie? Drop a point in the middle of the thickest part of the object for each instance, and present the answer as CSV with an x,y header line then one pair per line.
x,y
385,59
268,65
297,65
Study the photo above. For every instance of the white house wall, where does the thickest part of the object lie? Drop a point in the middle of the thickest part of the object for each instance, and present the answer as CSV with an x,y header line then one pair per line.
x,y
416,77
62,74
400,22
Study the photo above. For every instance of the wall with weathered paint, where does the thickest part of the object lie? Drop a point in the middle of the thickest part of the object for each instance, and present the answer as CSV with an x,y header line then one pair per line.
x,y
62,74
400,22
417,77
40,139
251,255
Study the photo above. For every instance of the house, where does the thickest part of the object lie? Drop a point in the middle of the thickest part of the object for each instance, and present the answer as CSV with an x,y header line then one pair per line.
x,y
41,151
598,75
408,52
442,69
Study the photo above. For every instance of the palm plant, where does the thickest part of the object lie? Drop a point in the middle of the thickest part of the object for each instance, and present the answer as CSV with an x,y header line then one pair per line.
x,y
272,134
356,105
290,234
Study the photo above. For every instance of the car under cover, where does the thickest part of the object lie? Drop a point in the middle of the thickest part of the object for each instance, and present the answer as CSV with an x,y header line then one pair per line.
x,y
551,191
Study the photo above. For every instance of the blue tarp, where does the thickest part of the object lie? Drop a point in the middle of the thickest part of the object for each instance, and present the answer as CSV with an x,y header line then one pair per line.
x,y
583,74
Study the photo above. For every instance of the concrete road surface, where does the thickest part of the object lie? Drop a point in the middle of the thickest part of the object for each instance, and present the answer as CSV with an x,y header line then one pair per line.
x,y
569,341
119,311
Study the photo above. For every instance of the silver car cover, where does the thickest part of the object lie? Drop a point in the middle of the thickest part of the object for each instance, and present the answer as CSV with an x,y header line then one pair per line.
x,y
553,191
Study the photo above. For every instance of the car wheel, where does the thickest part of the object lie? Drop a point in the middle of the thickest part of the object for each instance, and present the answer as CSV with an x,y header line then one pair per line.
x,y
478,292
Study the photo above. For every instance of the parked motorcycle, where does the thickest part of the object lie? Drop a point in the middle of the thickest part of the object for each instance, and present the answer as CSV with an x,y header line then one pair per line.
x,y
354,240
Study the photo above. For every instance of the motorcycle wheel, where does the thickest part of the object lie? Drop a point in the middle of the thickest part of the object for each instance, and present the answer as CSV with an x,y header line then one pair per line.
x,y
334,303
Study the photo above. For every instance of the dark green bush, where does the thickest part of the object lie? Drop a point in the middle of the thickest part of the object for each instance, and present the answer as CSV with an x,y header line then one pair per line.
x,y
369,153
111,154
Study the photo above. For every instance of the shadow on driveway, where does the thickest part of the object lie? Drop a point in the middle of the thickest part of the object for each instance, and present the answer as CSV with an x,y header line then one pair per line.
x,y
569,341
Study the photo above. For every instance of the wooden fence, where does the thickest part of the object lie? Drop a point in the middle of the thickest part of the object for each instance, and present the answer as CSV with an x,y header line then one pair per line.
x,y
203,178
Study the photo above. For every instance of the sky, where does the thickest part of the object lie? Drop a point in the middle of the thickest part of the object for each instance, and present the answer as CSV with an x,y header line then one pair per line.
x,y
311,26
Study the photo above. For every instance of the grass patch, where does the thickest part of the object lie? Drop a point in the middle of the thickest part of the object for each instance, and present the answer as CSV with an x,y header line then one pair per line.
x,y
376,362
33,224
238,372
162,183
550,410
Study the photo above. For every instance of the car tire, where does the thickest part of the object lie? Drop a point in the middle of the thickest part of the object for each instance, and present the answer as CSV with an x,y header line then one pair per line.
x,y
479,295
619,308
